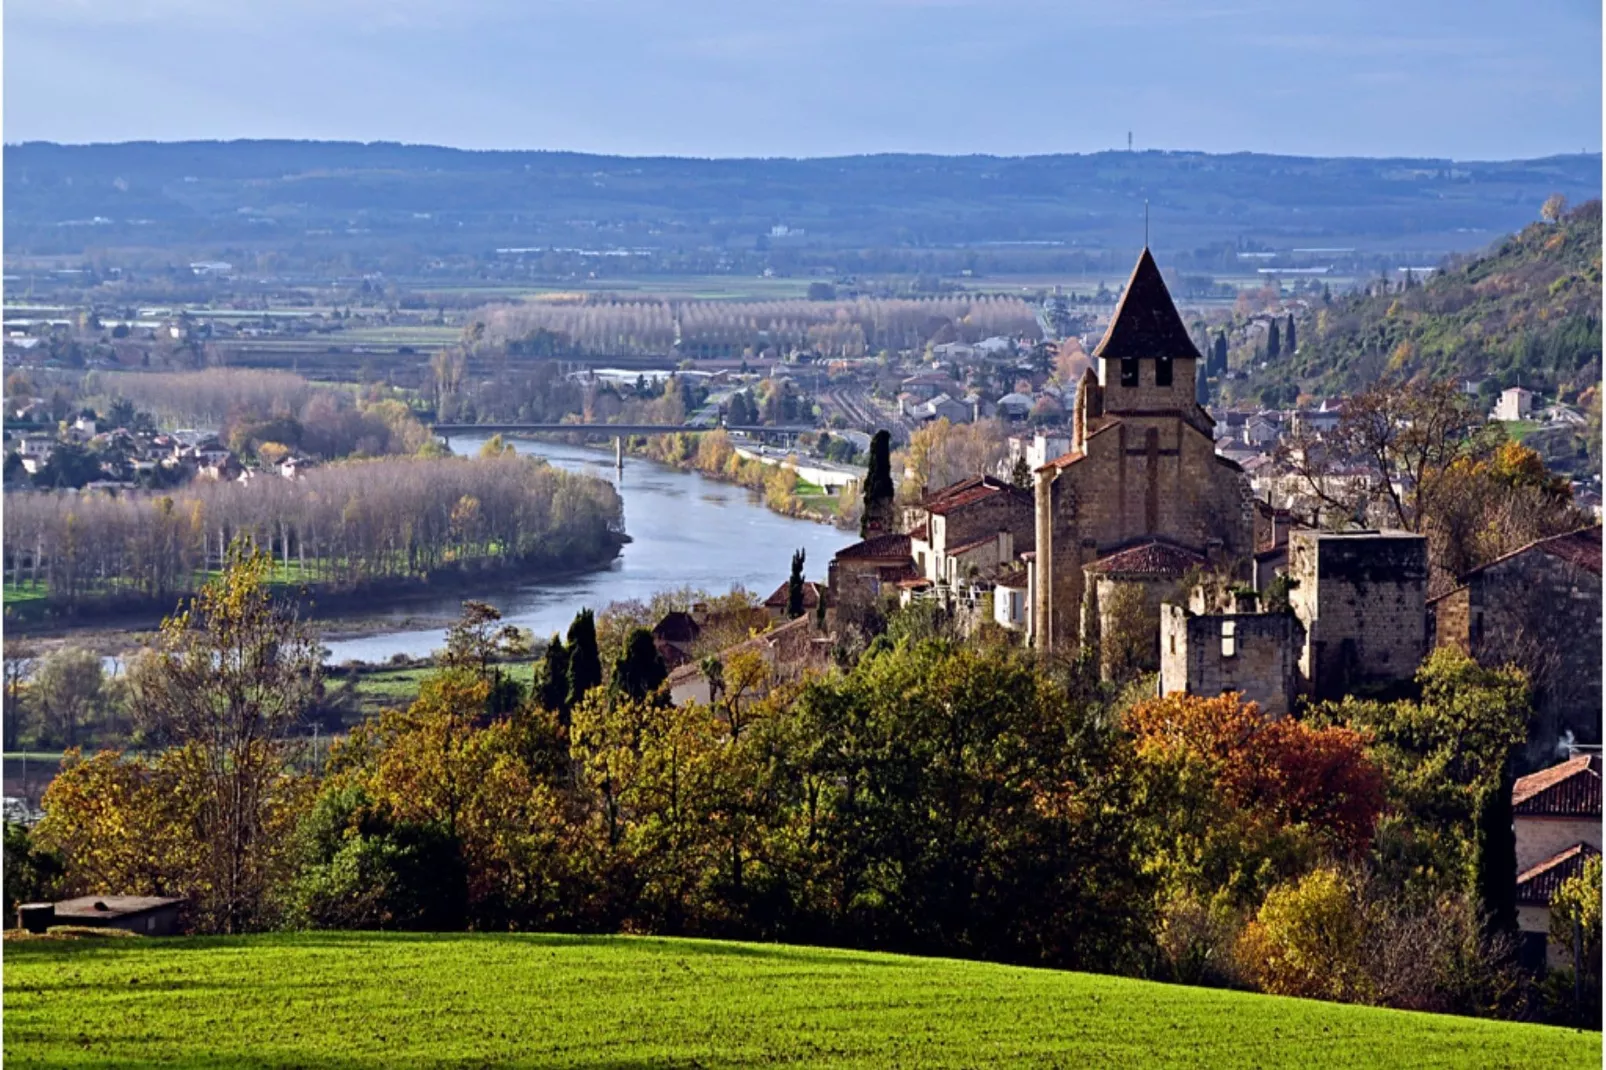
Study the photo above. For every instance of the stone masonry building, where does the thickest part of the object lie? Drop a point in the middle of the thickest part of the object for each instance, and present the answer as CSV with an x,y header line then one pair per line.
x,y
1361,598
1142,467
1539,607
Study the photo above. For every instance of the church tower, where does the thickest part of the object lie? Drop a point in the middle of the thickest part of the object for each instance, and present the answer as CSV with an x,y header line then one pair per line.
x,y
1142,492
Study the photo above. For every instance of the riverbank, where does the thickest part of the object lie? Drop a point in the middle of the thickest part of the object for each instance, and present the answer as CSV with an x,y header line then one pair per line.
x,y
130,624
781,489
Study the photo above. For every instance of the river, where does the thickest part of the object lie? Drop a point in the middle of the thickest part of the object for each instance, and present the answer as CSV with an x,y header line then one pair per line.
x,y
685,530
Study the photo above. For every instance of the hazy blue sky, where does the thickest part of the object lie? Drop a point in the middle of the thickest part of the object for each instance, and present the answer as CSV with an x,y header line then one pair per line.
x,y
1468,79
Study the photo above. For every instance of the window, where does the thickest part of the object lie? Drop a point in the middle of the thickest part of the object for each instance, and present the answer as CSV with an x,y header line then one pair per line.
x,y
1173,644
1162,371
1229,639
1129,371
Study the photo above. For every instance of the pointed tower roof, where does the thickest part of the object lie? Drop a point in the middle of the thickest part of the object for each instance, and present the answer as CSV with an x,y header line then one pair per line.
x,y
1146,322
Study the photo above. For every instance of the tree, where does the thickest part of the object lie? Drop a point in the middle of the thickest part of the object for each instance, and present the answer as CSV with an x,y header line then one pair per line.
x,y
1575,912
878,488
1042,357
32,873
1288,336
1554,208
67,690
1494,865
585,660
640,669
552,688
1220,354
1306,940
228,679
1021,475
479,643
794,587
1273,344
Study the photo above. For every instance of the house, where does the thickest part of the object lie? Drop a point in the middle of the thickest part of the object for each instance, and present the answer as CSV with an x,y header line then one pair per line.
x,y
1259,433
943,407
1015,407
1010,595
813,594
1538,606
971,529
148,915
1556,816
789,651
861,573
675,636
1515,404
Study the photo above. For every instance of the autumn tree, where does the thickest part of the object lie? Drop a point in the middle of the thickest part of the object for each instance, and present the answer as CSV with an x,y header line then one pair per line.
x,y
1553,209
226,682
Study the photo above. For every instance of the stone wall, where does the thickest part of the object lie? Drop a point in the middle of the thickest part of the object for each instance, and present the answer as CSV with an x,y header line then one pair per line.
x,y
1362,600
1543,613
1149,478
1540,837
1262,664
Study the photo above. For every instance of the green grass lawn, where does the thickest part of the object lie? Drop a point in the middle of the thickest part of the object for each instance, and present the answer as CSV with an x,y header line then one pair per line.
x,y
350,1000
17,594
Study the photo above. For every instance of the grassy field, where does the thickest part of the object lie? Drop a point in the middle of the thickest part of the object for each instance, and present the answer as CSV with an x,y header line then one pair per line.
x,y
350,1000
397,688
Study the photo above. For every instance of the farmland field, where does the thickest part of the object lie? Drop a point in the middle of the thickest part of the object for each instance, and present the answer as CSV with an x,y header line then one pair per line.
x,y
363,1000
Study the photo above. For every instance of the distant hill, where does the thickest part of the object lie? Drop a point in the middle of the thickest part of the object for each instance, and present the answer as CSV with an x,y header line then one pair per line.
x,y
1526,311
848,214
340,999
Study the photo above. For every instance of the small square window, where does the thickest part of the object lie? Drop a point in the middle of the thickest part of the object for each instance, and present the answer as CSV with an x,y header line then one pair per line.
x,y
1129,371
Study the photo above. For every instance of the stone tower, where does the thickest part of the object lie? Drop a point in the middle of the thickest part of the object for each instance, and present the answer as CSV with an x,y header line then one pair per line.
x,y
1142,466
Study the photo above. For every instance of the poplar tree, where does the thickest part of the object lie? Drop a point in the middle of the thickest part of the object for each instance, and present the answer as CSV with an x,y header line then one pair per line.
x,y
794,587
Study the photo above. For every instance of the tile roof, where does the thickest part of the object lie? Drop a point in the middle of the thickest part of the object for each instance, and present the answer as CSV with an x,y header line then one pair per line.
x,y
677,626
1015,577
783,593
1570,789
967,492
972,544
1146,323
1538,885
896,545
1149,559
1581,548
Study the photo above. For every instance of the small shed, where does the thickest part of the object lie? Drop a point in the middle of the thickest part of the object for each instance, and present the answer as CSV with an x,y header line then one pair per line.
x,y
148,915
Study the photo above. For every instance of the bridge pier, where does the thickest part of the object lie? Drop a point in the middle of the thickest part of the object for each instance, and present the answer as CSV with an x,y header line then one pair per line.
x,y
619,452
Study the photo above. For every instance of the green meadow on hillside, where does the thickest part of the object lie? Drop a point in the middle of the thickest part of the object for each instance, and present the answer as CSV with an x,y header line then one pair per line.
x,y
363,1000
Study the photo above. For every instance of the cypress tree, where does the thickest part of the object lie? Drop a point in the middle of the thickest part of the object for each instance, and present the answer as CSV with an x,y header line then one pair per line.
x,y
878,489
1288,336
794,587
640,668
585,662
1220,364
1495,861
554,685
1273,346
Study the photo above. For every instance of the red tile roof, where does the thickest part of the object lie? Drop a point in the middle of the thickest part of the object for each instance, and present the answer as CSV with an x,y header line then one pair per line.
x,y
967,492
1150,559
1570,789
1146,323
1581,548
877,546
1538,885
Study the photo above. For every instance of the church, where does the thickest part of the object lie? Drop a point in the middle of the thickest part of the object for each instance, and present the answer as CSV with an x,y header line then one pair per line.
x,y
1141,498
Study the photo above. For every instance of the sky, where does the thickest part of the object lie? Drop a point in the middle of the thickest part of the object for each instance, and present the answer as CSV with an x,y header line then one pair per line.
x,y
1463,79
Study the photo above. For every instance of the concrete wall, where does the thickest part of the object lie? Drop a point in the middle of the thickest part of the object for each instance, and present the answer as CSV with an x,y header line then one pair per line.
x,y
1362,600
1263,664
